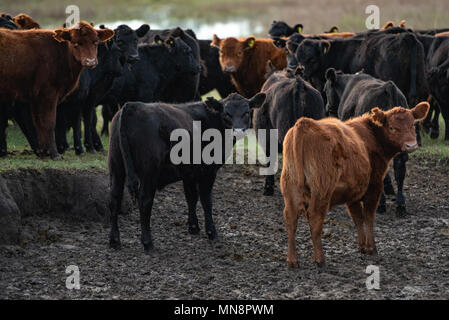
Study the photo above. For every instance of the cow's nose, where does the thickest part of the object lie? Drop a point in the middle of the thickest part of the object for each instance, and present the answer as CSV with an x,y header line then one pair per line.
x,y
411,147
133,58
90,63
229,69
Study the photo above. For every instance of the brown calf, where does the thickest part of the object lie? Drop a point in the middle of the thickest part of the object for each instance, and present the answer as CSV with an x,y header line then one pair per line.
x,y
329,162
42,67
245,60
25,22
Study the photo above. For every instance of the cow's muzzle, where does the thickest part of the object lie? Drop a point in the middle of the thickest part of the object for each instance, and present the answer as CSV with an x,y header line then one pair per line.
x,y
90,63
410,147
229,69
133,58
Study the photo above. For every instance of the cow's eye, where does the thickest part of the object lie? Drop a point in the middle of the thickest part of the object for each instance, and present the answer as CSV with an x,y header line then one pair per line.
x,y
391,129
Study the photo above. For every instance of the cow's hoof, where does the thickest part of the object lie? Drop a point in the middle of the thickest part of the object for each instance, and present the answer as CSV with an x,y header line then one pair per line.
x,y
320,264
147,248
194,229
268,191
100,149
212,235
389,190
434,134
371,251
293,264
56,157
382,208
401,211
79,152
114,244
91,150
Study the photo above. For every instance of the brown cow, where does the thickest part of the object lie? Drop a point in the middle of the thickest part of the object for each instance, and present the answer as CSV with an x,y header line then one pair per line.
x,y
43,77
329,162
245,60
25,22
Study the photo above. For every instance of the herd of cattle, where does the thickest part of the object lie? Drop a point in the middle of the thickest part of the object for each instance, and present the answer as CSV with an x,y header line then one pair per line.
x,y
51,80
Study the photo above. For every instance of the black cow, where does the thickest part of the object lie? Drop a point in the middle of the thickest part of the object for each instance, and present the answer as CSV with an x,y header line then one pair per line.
x,y
7,23
289,97
396,57
282,29
438,79
352,95
140,148
183,88
113,58
213,76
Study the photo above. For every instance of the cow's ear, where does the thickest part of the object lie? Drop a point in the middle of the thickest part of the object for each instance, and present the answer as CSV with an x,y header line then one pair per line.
x,y
249,43
334,29
170,42
257,101
143,29
213,105
298,28
62,35
325,46
158,40
331,74
105,34
215,41
278,42
178,32
292,46
420,110
378,116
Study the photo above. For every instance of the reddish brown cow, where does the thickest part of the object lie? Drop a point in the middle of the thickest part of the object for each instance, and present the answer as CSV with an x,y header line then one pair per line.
x,y
42,67
329,162
245,60
25,22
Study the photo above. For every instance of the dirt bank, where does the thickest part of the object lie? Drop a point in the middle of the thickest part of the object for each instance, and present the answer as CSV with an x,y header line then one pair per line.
x,y
249,259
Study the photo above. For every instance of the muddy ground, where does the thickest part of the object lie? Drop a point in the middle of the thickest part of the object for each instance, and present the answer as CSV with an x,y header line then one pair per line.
x,y
248,262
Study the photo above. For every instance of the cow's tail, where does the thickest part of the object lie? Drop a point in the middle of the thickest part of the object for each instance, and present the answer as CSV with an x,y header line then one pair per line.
x,y
133,181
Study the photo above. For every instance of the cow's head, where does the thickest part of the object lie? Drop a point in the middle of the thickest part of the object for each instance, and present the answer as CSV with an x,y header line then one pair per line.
x,y
312,54
235,111
7,22
232,51
180,54
126,39
282,29
289,45
83,41
333,90
25,22
398,125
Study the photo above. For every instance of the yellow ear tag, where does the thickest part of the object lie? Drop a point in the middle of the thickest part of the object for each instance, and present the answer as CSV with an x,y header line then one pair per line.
x,y
251,43
299,29
335,30
171,42
325,50
159,42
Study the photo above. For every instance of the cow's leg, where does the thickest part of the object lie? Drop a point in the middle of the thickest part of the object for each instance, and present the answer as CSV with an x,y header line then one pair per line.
x,y
317,212
98,145
388,185
61,130
191,193
400,170
445,112
3,125
205,187
115,204
78,146
44,117
418,134
293,207
356,212
370,203
435,128
382,207
88,118
268,189
24,120
146,196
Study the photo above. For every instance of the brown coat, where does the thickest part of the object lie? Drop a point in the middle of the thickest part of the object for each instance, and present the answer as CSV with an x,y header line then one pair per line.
x,y
329,162
245,60
44,77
